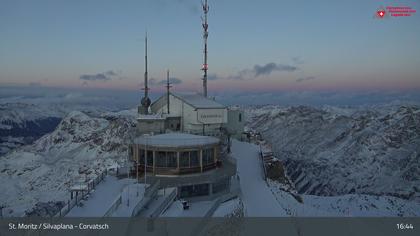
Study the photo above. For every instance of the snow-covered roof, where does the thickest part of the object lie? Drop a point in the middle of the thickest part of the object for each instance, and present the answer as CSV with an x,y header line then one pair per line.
x,y
198,100
176,140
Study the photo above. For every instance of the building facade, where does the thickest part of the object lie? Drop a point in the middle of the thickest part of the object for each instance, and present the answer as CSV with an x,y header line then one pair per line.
x,y
194,164
192,113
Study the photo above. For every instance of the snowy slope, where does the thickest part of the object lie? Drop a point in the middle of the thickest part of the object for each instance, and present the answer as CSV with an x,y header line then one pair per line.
x,y
80,147
334,151
272,198
22,123
348,205
257,197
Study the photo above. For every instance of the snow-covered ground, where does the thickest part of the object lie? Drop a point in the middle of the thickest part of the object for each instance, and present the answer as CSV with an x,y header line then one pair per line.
x,y
269,199
131,195
106,192
256,195
227,208
345,205
197,209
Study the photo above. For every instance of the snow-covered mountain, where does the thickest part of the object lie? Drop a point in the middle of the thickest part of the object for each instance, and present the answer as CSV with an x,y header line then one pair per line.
x,y
22,123
348,205
335,151
277,196
81,146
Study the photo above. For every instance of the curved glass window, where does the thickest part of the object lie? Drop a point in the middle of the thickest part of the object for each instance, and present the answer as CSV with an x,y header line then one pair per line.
x,y
141,156
171,159
184,159
142,160
161,159
150,158
208,156
194,159
189,159
166,159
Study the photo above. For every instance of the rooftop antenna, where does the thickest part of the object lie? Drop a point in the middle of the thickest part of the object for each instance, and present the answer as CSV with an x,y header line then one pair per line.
x,y
168,86
205,36
145,101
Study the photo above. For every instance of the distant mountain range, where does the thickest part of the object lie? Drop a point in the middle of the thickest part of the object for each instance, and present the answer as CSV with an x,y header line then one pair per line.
x,y
335,151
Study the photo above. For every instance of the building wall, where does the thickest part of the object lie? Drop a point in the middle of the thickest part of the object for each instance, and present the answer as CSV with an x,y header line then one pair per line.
x,y
211,116
236,123
147,126
173,123
160,106
192,119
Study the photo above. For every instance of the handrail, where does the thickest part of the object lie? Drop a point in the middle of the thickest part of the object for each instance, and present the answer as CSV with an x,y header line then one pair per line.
x,y
164,204
117,202
148,195
71,203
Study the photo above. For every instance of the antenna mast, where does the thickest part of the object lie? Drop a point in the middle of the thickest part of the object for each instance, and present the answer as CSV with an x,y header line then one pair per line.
x,y
205,36
168,86
145,101
146,89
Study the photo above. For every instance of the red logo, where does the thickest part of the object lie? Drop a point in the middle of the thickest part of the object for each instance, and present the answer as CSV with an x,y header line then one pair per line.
x,y
381,13
394,11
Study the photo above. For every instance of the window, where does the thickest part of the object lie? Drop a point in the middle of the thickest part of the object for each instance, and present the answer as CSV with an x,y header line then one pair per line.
x,y
141,156
166,159
189,159
184,159
240,117
208,156
150,158
171,159
161,159
194,159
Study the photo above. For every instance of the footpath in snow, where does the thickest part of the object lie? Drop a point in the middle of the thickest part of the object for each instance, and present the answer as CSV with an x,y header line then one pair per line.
x,y
257,197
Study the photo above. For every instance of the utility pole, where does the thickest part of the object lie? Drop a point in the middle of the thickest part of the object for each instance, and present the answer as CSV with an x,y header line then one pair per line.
x,y
128,177
146,136
205,36
137,173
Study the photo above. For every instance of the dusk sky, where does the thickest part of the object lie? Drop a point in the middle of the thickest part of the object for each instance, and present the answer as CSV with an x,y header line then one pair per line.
x,y
266,46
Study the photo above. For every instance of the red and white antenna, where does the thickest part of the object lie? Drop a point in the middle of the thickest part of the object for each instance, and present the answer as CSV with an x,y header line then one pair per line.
x,y
205,36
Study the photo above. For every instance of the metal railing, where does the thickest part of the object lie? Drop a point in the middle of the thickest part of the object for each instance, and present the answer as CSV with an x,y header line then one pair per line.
x,y
150,192
114,206
263,165
165,204
73,202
